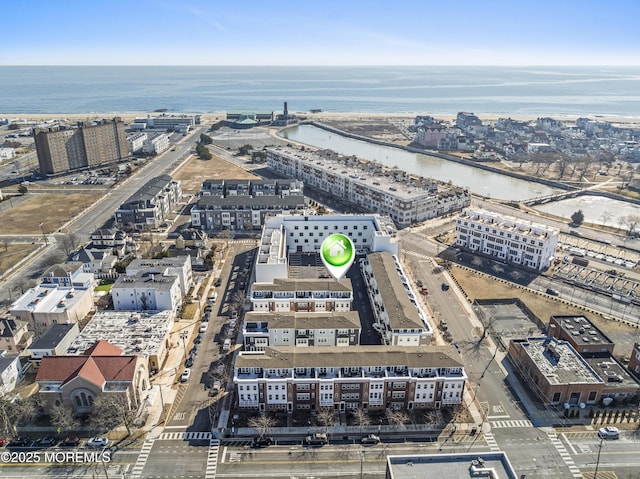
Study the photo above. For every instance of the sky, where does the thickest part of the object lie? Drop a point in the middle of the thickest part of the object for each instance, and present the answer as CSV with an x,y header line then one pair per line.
x,y
320,32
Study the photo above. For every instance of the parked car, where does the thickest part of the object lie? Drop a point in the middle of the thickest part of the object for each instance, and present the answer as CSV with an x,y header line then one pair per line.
x,y
189,362
262,441
3,441
444,286
316,439
185,375
553,292
213,297
20,442
203,327
609,432
234,315
97,442
45,441
70,441
217,387
207,308
419,283
218,283
370,439
197,339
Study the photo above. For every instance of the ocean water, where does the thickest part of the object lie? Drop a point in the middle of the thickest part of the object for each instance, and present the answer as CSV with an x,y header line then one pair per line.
x,y
427,90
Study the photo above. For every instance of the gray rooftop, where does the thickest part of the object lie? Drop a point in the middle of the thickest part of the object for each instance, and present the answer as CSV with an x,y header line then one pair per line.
x,y
451,466
52,336
293,357
579,327
251,202
288,284
612,373
401,311
146,279
558,361
150,190
305,320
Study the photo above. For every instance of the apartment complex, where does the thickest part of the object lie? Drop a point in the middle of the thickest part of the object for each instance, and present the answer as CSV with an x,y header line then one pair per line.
x,y
136,142
507,238
405,198
156,144
180,123
367,377
284,234
150,205
152,289
399,318
61,150
180,267
304,295
300,329
244,204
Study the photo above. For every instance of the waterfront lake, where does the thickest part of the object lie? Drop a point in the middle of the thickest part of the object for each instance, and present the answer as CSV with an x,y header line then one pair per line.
x,y
478,181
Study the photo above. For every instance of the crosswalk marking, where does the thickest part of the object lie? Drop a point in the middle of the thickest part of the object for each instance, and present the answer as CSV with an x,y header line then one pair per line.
x,y
491,441
417,255
511,423
185,436
212,459
142,459
564,454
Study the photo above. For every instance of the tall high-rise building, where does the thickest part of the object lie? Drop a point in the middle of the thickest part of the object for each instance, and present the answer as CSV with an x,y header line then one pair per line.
x,y
63,150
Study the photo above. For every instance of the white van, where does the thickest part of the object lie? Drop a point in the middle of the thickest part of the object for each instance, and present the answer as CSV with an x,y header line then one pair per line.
x,y
227,345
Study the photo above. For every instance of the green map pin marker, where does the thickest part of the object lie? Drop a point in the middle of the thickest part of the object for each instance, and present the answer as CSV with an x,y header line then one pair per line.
x,y
337,253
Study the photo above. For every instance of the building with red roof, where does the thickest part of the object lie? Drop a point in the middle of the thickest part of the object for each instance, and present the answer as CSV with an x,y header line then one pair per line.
x,y
101,369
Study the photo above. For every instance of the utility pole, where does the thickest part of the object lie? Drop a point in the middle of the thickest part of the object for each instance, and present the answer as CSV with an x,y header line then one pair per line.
x,y
595,473
44,236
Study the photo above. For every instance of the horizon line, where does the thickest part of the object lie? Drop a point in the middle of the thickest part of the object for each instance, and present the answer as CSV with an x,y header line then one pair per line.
x,y
328,65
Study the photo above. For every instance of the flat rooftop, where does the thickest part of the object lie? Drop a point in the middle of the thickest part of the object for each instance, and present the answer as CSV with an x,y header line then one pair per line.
x,y
305,320
140,333
559,362
399,301
304,285
367,173
505,222
582,330
493,465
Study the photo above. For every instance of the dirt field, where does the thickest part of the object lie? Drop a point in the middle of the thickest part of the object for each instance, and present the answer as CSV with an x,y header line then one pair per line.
x,y
51,209
12,253
195,171
478,286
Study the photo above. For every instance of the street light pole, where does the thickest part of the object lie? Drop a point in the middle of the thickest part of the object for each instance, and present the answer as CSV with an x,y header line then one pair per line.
x,y
44,236
595,473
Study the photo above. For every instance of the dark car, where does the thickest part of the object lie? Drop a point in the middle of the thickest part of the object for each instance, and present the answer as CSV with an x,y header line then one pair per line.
x,y
189,362
445,286
316,439
207,309
370,439
20,442
262,441
553,292
70,441
45,441
218,283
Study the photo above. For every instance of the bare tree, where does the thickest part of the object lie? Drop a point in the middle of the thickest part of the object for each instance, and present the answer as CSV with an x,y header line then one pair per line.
x,y
360,417
605,217
111,410
63,416
262,423
237,300
397,418
631,222
327,417
65,242
5,243
486,321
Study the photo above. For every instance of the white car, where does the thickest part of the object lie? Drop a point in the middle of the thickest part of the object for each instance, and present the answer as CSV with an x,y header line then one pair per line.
x,y
185,375
203,327
213,297
98,442
609,432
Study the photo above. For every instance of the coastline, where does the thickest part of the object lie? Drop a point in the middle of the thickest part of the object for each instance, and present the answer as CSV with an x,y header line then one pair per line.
x,y
322,116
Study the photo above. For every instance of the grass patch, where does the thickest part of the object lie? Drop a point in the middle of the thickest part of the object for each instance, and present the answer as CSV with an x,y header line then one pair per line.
x,y
12,253
51,209
189,311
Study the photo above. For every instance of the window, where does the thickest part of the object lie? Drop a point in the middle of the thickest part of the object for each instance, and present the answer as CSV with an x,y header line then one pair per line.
x,y
556,397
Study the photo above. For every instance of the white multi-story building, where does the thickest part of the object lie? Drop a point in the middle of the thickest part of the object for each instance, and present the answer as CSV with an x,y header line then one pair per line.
x,y
7,153
48,304
405,198
156,144
282,235
310,295
179,266
366,377
507,238
300,329
148,207
136,142
399,318
148,290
